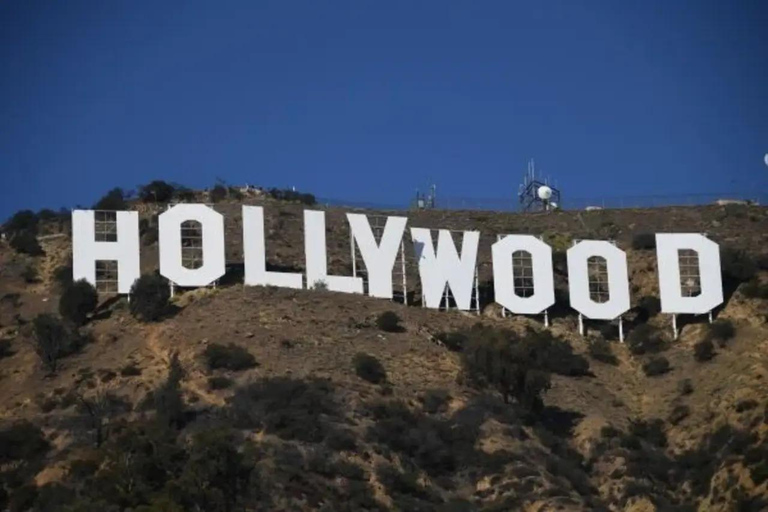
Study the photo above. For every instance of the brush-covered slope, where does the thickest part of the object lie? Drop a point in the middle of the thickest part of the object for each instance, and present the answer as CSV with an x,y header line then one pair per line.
x,y
252,398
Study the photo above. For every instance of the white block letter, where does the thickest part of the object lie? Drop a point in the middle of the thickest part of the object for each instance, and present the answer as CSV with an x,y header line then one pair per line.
x,y
86,250
504,278
578,280
317,261
446,267
255,254
667,250
379,258
169,227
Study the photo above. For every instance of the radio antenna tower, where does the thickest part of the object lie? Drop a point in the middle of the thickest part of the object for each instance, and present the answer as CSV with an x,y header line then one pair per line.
x,y
537,194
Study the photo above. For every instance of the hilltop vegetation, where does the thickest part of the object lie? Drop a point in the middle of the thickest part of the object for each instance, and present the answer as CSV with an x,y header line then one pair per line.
x,y
257,398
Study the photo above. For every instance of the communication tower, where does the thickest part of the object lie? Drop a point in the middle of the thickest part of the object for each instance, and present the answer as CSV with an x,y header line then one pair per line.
x,y
426,201
537,194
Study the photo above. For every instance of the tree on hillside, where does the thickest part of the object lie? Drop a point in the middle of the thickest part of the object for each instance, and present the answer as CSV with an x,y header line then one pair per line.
x,y
23,220
112,200
218,193
78,301
25,242
149,297
157,191
52,340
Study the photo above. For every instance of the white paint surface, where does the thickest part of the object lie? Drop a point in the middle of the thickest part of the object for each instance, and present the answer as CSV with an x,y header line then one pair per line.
x,y
578,280
86,250
446,266
379,258
668,246
255,254
504,278
317,260
169,227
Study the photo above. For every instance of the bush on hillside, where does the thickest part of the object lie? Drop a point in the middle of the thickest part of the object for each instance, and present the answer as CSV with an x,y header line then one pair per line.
x,y
600,350
292,195
655,366
30,274
367,367
157,191
650,304
721,330
5,348
678,414
645,339
644,241
703,351
112,200
53,341
229,357
219,382
217,193
62,276
754,289
149,297
453,341
78,301
25,242
22,441
736,265
388,321
23,220
685,387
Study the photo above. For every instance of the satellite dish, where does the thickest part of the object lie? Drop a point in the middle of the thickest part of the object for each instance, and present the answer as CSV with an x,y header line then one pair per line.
x,y
544,193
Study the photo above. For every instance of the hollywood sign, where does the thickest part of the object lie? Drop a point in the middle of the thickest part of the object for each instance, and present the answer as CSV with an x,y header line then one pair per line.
x,y
439,267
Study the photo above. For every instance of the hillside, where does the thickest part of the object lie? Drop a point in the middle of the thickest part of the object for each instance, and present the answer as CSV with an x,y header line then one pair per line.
x,y
139,417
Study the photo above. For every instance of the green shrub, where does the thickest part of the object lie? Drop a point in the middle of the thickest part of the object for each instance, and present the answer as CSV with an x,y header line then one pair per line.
x,y
388,321
219,382
112,200
655,366
369,368
157,191
645,339
600,350
736,265
53,340
130,370
149,297
721,330
644,241
25,242
22,441
453,341
754,289
679,413
78,301
218,193
229,357
703,351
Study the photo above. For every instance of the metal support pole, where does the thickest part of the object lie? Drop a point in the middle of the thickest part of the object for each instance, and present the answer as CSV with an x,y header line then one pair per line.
x,y
546,318
674,326
621,329
402,262
477,292
581,324
353,254
710,317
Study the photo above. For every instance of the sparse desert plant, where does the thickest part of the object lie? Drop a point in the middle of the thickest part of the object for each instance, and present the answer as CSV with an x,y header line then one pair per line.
x,y
78,300
704,350
112,200
30,274
655,366
600,350
320,285
53,340
721,330
25,242
62,276
218,193
369,368
130,370
389,321
157,191
644,241
685,387
5,348
149,297
645,339
229,357
22,441
453,341
737,265
679,413
435,400
219,382
754,289
650,304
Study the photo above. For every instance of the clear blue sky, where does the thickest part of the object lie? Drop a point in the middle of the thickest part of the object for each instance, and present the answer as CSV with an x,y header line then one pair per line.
x,y
368,100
